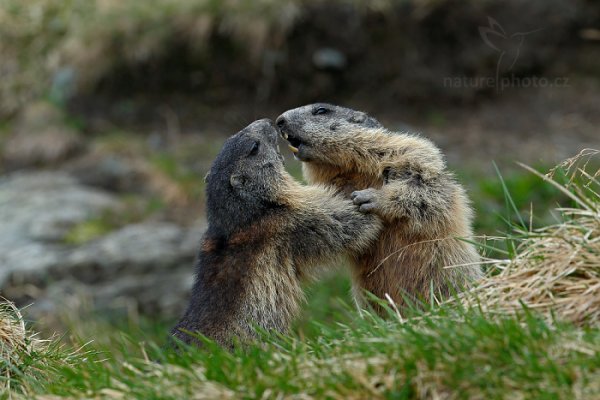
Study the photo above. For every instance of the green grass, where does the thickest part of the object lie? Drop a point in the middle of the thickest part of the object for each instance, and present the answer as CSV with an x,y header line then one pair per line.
x,y
449,351
329,302
136,208
334,351
526,191
88,230
186,180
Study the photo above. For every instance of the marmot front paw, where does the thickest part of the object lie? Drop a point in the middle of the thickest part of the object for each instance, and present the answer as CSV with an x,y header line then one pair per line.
x,y
367,200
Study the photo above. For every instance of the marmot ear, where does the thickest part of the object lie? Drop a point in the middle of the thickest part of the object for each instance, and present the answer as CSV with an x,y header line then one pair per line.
x,y
237,181
358,118
362,118
372,123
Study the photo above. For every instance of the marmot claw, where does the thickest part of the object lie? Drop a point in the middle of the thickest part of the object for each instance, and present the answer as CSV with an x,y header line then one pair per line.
x,y
366,199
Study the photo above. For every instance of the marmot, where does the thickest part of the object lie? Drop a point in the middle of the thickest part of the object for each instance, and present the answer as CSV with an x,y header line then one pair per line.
x,y
403,179
266,233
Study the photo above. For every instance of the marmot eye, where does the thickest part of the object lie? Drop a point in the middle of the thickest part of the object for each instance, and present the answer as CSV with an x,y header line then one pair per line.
x,y
255,148
320,110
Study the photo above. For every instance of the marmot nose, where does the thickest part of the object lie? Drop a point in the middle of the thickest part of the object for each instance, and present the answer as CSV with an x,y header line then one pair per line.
x,y
280,121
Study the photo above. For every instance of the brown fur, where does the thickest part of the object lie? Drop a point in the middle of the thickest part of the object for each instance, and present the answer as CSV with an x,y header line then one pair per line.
x,y
267,233
425,211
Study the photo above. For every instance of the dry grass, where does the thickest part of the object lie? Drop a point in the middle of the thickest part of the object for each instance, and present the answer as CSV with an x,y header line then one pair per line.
x,y
556,269
15,342
375,378
172,381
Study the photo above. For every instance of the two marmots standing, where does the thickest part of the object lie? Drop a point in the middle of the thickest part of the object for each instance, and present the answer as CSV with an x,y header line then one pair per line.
x,y
267,232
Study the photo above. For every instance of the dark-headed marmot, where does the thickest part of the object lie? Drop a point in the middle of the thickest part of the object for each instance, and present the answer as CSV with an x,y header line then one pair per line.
x,y
266,232
403,179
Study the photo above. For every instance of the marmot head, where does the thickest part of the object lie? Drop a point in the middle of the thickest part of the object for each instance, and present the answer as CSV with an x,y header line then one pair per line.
x,y
310,128
244,179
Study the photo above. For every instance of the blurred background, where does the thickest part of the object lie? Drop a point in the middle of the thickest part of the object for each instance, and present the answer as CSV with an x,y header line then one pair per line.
x,y
111,112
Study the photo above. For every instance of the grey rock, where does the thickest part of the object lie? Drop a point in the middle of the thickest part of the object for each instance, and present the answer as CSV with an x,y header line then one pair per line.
x,y
329,58
49,146
41,137
36,211
45,205
39,115
148,265
138,248
24,262
106,171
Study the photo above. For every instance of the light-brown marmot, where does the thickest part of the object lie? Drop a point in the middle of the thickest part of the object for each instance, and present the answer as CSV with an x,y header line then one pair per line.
x,y
266,233
403,179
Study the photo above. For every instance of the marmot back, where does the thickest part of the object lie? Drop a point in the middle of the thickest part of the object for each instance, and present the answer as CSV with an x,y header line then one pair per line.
x,y
266,233
403,179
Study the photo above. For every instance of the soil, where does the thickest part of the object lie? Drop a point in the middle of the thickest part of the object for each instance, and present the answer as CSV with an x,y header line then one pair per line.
x,y
537,126
486,81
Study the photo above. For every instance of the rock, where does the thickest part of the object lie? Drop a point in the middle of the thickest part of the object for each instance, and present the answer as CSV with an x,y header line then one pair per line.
x,y
138,248
37,210
107,171
329,58
48,147
38,116
44,205
41,138
149,264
